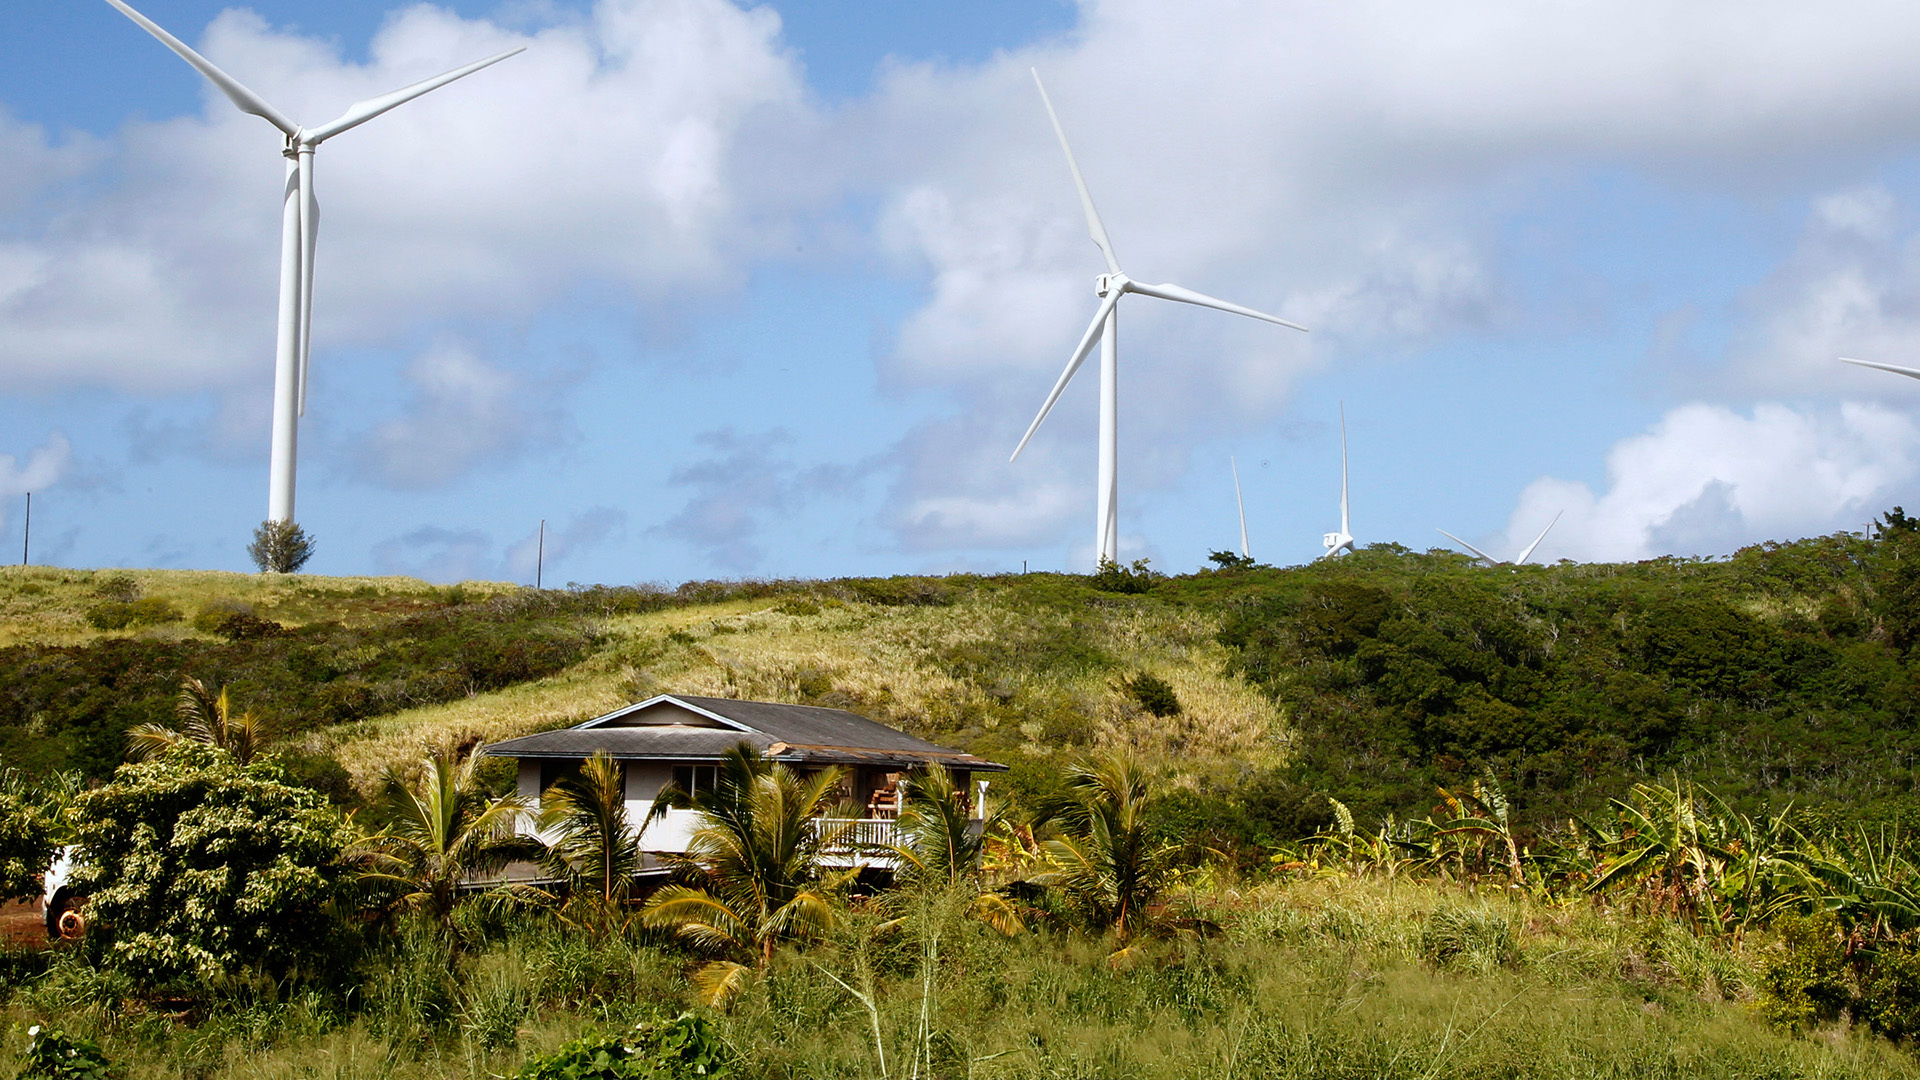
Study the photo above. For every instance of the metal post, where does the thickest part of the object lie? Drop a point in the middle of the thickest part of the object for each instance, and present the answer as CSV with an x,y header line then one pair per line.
x,y
540,554
26,534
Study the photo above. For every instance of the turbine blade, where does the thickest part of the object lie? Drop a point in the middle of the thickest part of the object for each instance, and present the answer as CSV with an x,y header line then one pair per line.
x,y
1344,529
309,237
1188,296
246,100
362,111
1911,373
1087,341
1242,504
1477,553
1543,532
1094,228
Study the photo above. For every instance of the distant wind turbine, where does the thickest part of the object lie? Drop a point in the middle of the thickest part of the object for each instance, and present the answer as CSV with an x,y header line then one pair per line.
x,y
1519,559
1110,287
1339,543
1911,373
299,232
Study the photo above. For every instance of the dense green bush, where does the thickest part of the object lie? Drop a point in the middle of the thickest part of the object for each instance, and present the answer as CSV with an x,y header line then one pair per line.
x,y
27,840
201,871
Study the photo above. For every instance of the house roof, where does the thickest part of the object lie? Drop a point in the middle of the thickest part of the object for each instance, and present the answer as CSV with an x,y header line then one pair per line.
x,y
683,727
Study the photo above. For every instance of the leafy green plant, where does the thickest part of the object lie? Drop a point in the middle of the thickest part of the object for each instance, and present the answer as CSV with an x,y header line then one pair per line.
x,y
1111,861
52,1054
684,1047
1112,577
200,869
1806,979
596,848
29,837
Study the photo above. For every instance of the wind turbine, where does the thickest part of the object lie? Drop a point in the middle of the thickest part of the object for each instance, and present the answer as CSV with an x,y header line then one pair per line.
x,y
1911,373
1110,287
1242,504
1342,541
299,232
1490,560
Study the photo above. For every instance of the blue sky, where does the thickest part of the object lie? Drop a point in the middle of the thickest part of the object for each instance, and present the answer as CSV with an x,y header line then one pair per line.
x,y
723,291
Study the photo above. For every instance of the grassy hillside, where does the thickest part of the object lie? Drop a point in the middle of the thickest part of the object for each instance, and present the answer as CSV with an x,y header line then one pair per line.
x,y
1782,674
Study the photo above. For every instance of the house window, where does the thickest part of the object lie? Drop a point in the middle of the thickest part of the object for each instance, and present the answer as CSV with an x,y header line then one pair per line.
x,y
694,779
553,771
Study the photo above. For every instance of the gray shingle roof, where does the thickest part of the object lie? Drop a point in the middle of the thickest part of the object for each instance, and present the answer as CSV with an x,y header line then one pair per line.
x,y
792,733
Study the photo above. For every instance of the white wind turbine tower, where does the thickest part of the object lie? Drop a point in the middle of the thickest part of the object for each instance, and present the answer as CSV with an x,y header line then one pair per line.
x,y
299,231
1519,559
1110,287
1341,543
1242,504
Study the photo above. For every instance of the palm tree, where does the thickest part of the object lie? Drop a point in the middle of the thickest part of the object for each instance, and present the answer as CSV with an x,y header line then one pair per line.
x,y
597,848
205,717
448,834
1110,861
938,844
758,853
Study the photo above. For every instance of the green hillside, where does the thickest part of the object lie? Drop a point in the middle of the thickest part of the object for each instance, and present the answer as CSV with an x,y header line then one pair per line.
x,y
1780,674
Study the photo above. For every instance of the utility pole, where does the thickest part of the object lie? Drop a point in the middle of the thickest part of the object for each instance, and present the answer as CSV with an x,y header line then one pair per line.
x,y
26,534
540,554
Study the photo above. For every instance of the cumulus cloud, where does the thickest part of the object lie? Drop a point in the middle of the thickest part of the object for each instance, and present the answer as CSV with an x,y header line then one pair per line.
x,y
1348,166
746,485
435,553
43,468
465,412
607,154
585,532
1706,479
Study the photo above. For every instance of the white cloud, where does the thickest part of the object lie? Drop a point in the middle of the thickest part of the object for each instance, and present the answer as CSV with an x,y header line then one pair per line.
x,y
1706,479
465,412
608,154
531,558
43,468
1350,166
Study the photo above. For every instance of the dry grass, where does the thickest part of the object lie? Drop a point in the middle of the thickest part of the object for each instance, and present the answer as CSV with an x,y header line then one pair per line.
x,y
43,605
887,662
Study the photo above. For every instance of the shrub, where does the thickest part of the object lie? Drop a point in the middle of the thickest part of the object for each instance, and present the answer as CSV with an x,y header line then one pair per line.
x,y
119,615
26,845
1153,694
1112,577
1806,980
200,869
53,1054
1892,1001
280,547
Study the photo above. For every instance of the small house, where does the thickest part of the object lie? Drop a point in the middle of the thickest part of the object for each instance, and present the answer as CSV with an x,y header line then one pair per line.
x,y
680,738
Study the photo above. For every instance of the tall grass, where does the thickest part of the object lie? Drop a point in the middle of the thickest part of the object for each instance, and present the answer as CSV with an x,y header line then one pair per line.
x,y
1308,979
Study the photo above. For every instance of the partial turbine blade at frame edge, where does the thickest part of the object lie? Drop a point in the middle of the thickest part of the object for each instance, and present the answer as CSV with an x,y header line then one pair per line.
x,y
244,99
1911,373
1187,296
1087,341
362,111
1477,553
1095,228
1525,555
